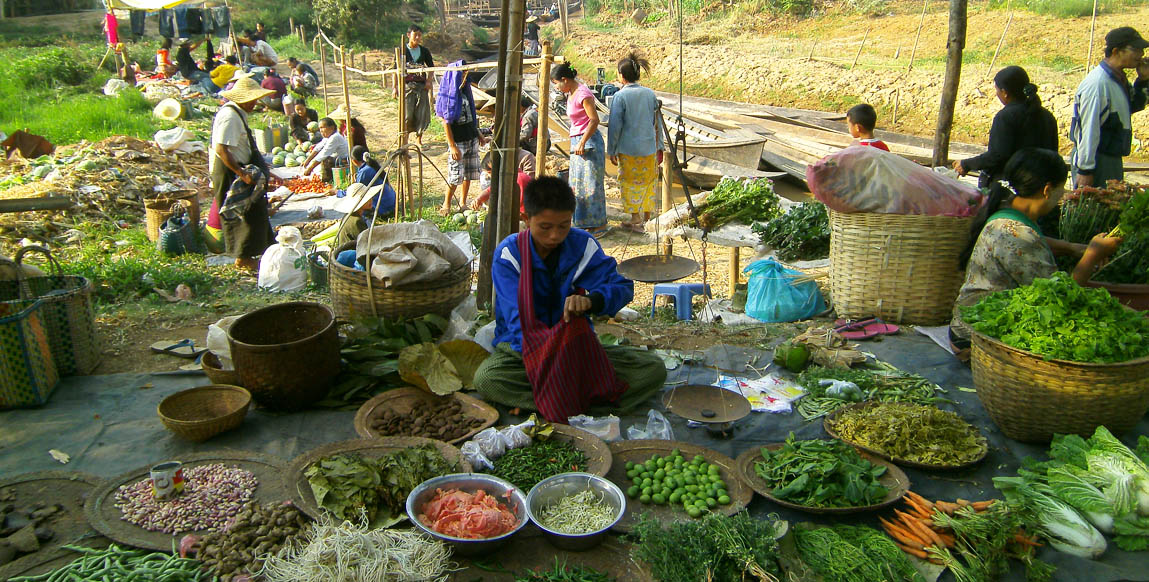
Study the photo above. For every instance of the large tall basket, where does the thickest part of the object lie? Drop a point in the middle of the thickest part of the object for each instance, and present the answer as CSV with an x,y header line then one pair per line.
x,y
356,294
901,268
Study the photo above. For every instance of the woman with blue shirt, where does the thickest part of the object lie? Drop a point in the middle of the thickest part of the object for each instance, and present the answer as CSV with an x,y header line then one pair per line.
x,y
634,142
368,168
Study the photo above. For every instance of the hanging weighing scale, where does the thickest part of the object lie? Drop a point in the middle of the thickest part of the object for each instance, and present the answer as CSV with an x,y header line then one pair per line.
x,y
717,408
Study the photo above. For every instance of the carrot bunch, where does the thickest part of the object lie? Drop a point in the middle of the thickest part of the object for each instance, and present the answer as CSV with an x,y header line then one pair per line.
x,y
916,531
313,184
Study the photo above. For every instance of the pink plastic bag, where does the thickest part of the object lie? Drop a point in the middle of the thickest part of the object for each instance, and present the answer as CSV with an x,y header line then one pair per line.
x,y
866,179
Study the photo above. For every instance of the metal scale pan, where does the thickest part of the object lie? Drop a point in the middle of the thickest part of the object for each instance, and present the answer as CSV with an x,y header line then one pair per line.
x,y
657,268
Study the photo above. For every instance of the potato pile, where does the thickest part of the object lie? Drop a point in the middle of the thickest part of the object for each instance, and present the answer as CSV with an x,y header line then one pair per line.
x,y
443,420
259,531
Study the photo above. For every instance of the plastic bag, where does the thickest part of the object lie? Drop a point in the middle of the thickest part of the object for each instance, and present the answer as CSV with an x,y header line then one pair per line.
x,y
473,453
283,266
605,428
460,322
490,443
842,390
514,437
656,427
772,296
217,340
114,86
171,139
485,336
865,179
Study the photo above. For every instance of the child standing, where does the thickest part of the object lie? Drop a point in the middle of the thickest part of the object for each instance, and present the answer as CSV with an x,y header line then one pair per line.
x,y
549,279
456,107
861,120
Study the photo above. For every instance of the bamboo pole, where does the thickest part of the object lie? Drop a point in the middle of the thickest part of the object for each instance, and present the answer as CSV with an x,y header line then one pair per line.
x,y
955,45
735,253
564,17
291,22
323,71
1000,42
507,126
921,23
859,53
543,141
810,56
1092,30
404,160
347,108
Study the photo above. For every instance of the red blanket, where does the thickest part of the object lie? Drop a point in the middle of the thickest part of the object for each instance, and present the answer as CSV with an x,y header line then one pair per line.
x,y
567,367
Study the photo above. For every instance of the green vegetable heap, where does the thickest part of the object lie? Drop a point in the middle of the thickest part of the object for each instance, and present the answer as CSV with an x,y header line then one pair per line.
x,y
372,356
695,485
821,473
1058,319
853,553
524,467
373,491
561,572
744,201
910,432
1122,209
716,548
802,234
883,383
986,541
118,563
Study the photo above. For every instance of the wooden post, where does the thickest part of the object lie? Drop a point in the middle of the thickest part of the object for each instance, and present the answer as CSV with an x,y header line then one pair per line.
x,y
543,139
507,126
564,17
291,22
1092,30
955,44
859,53
1000,42
442,6
810,56
347,107
323,71
921,23
735,256
364,59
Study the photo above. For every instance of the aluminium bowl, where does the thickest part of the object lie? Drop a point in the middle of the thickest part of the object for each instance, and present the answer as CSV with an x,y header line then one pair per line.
x,y
551,489
506,493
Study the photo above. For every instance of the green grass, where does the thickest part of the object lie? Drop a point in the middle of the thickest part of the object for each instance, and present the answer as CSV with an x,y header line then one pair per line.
x,y
1065,8
291,46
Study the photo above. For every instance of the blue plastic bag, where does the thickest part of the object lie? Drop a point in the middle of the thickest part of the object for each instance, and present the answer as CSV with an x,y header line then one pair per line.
x,y
773,298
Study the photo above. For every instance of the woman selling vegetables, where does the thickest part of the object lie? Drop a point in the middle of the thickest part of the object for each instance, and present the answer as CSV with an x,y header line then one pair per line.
x,y
1010,250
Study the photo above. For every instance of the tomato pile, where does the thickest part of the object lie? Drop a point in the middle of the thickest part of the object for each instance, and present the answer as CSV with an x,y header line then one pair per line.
x,y
313,184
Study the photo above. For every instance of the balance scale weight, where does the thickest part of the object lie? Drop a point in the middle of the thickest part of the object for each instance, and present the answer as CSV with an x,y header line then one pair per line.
x,y
716,408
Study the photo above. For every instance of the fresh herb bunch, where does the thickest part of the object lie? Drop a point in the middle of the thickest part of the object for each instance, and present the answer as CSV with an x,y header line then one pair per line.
x,y
716,548
821,473
524,467
882,382
1058,319
911,432
1120,209
372,355
560,572
1088,211
802,234
853,553
744,201
986,541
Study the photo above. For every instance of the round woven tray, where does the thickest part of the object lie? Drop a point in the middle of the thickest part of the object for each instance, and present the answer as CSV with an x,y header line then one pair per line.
x,y
300,489
197,414
895,480
829,420
216,373
641,450
1030,398
103,514
66,488
404,400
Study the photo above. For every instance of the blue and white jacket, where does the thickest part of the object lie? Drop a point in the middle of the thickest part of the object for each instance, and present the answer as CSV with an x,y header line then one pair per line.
x,y
1102,111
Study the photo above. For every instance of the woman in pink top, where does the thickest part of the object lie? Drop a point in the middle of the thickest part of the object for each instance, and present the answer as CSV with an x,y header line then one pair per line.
x,y
588,151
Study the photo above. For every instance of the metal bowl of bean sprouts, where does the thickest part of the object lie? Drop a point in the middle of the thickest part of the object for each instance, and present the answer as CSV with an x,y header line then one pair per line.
x,y
575,510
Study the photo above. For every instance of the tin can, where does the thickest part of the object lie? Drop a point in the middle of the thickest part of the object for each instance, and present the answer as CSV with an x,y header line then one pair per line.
x,y
167,479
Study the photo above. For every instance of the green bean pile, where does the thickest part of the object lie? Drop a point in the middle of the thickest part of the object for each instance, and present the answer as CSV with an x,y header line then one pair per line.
x,y
525,467
124,565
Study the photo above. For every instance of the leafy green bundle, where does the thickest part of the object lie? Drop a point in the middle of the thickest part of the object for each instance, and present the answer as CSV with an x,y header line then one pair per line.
x,y
372,356
986,541
716,548
373,491
1122,209
911,432
821,473
561,572
745,201
524,467
881,381
802,234
849,553
1058,319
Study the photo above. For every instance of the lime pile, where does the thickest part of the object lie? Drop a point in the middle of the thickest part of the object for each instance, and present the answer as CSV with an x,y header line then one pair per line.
x,y
695,485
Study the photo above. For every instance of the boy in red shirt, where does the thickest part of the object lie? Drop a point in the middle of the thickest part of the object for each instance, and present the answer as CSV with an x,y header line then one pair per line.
x,y
861,119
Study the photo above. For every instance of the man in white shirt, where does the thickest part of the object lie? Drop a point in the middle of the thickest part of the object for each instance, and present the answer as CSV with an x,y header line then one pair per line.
x,y
328,153
258,52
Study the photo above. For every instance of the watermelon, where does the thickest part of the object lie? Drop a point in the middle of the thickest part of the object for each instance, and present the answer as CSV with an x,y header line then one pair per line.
x,y
292,162
313,126
301,148
279,159
459,218
473,219
276,151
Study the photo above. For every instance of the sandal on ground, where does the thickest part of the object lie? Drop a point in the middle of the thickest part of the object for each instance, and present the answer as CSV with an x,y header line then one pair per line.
x,y
865,329
184,348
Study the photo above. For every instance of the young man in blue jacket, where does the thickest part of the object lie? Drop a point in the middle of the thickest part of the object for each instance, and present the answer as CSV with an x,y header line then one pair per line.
x,y
547,357
1102,125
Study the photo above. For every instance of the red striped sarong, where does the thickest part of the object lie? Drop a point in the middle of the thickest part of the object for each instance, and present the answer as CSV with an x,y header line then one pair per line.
x,y
567,367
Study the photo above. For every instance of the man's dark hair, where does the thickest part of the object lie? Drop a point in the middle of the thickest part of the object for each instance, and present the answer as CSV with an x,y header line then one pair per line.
x,y
548,193
291,60
248,32
864,115
327,122
261,24
300,101
525,101
231,60
414,28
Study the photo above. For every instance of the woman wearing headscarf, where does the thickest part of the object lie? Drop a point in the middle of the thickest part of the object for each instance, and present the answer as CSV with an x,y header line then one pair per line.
x,y
1022,123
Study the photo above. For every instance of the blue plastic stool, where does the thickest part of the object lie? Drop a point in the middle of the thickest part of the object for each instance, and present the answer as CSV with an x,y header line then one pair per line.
x,y
682,294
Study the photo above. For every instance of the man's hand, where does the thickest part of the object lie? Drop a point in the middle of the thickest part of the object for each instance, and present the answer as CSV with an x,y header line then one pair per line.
x,y
1084,180
1143,70
576,305
455,153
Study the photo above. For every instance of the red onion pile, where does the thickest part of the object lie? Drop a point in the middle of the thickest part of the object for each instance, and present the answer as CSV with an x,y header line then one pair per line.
x,y
213,494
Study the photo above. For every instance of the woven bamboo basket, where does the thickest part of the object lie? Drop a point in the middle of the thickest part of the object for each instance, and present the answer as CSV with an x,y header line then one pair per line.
x,y
901,268
286,355
215,372
1031,399
201,413
352,298
159,209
